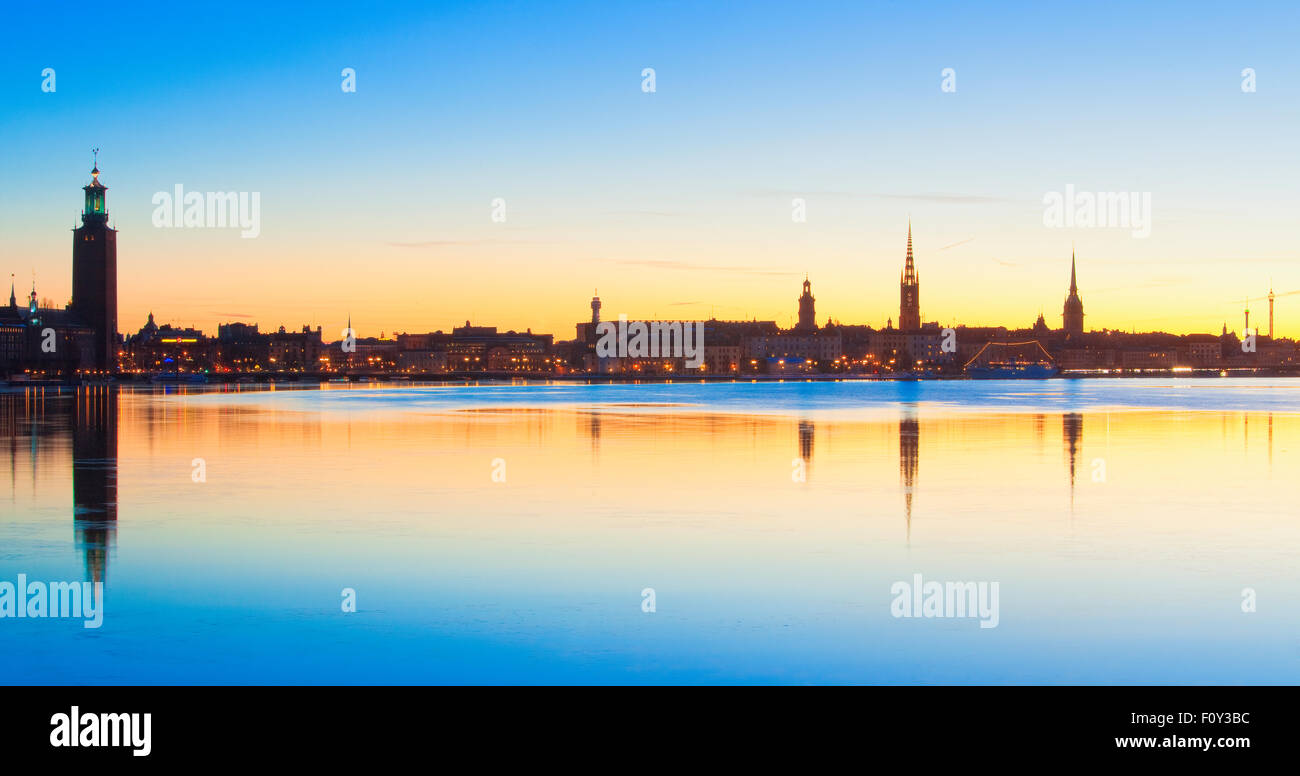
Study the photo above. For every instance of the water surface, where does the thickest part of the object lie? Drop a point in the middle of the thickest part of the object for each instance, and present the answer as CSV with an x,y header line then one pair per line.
x,y
505,533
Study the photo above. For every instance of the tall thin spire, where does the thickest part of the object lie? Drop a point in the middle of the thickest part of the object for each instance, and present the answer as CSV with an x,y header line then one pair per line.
x,y
909,269
909,308
1072,312
1270,308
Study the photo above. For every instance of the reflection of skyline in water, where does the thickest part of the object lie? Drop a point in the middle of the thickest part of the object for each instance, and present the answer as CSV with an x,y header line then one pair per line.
x,y
806,432
525,580
88,417
83,421
94,476
909,458
1072,429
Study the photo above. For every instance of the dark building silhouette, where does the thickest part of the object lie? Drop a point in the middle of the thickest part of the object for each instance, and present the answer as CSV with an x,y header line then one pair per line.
x,y
44,341
807,311
909,292
51,342
1073,310
94,274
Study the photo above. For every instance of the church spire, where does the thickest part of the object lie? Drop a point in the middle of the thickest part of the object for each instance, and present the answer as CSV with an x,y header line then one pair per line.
x,y
1072,312
909,308
909,269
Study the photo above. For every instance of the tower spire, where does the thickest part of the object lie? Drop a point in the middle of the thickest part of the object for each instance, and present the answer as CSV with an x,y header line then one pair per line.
x,y
1270,308
94,274
1073,309
807,308
909,270
909,313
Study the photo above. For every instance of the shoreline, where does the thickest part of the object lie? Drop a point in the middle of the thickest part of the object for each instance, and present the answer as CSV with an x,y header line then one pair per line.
x,y
497,378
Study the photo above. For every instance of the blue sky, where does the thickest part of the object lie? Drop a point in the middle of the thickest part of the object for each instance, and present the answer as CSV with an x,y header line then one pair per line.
x,y
674,203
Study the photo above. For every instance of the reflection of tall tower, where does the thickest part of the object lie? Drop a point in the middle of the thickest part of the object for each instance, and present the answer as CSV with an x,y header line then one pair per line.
x,y
1072,427
1270,441
909,305
1073,311
94,273
94,476
592,428
909,458
807,314
806,431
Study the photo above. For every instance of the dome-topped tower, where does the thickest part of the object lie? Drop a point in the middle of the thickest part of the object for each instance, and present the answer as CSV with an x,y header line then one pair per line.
x,y
807,303
96,210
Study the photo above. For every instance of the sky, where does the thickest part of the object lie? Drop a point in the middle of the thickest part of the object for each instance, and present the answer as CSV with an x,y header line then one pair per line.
x,y
379,204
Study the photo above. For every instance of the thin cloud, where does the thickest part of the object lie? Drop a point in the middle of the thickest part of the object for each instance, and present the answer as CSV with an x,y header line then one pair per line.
x,y
452,243
954,245
684,266
1181,262
933,198
1161,283
1265,298
796,193
947,199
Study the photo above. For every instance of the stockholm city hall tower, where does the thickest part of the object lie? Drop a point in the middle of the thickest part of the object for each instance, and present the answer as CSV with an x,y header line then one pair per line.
x,y
94,273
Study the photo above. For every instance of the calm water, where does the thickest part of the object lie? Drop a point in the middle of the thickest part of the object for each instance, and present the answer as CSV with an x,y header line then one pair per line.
x,y
506,533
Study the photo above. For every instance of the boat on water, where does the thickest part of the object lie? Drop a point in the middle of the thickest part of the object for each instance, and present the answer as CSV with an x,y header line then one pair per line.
x,y
1012,371
1027,360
